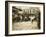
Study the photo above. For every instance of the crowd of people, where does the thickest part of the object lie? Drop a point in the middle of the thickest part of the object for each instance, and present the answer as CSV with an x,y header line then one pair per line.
x,y
20,15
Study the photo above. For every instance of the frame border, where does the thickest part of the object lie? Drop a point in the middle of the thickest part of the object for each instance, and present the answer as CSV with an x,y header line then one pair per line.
x,y
6,18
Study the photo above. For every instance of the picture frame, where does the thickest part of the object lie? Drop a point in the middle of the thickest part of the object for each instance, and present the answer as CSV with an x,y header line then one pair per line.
x,y
24,18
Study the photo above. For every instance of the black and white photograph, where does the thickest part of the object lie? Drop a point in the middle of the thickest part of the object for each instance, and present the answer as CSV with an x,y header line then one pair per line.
x,y
25,18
